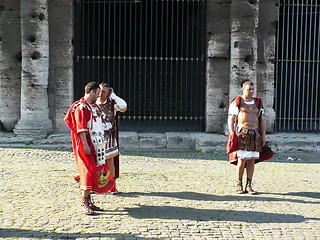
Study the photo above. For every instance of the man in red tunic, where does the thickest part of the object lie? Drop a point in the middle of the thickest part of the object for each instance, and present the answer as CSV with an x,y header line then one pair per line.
x,y
81,119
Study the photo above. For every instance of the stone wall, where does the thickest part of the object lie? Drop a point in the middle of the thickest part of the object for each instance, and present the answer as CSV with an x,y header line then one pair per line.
x,y
240,37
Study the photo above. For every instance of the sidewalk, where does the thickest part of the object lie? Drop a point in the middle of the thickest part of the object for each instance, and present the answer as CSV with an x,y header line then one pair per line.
x,y
171,142
166,195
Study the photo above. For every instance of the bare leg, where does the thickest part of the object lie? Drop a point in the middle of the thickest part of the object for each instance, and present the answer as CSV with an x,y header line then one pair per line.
x,y
250,168
250,171
85,193
110,163
240,170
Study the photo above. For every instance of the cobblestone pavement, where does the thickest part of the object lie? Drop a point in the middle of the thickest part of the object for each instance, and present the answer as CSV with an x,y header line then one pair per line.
x,y
165,196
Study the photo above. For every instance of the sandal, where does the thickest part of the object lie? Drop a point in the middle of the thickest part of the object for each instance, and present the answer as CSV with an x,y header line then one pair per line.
x,y
92,206
85,206
239,189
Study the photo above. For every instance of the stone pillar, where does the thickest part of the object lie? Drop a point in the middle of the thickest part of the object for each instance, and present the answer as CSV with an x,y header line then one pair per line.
x,y
35,65
60,62
268,17
243,47
218,64
10,63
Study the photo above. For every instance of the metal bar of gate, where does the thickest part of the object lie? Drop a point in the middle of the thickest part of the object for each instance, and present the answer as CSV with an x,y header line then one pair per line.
x,y
304,67
156,63
300,65
313,27
290,63
162,109
309,77
130,75
276,101
140,64
144,60
99,44
151,65
176,114
286,63
91,56
187,56
182,62
295,97
318,66
170,53
125,49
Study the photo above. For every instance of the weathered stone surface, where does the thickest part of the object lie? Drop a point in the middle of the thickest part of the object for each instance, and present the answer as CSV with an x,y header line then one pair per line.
x,y
218,64
61,62
243,47
34,69
129,140
266,57
10,64
179,140
152,140
210,142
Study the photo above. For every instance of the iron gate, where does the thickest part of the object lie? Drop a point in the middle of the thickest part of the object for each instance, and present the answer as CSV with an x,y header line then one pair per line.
x,y
152,52
297,101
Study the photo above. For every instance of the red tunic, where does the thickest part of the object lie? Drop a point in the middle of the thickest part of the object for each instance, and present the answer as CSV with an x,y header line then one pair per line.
x,y
78,120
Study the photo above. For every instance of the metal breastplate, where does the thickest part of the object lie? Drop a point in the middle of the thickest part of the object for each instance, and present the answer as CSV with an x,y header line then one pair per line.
x,y
97,135
248,115
108,110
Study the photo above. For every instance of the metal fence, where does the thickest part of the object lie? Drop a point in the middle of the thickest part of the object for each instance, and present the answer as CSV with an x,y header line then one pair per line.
x,y
152,52
297,101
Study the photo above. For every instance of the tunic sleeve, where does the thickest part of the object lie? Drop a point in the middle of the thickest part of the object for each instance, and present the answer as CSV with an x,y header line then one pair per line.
x,y
82,117
120,105
233,109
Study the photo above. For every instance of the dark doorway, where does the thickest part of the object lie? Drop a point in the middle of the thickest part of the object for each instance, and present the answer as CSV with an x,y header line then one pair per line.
x,y
153,54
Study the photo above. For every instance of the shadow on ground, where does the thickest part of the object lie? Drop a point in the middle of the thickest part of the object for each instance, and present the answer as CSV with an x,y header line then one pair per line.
x,y
184,213
243,197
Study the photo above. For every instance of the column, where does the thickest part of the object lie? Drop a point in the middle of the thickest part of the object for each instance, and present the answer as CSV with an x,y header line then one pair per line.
x,y
243,46
218,65
10,64
35,67
268,18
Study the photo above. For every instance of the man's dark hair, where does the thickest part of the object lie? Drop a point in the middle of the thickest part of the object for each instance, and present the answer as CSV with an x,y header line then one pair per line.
x,y
91,86
246,82
102,85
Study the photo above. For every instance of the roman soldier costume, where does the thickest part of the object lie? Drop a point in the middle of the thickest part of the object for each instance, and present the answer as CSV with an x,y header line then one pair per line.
x,y
110,108
93,173
246,143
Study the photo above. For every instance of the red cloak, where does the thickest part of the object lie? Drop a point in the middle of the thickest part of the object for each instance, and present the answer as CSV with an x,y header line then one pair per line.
x,y
77,118
232,145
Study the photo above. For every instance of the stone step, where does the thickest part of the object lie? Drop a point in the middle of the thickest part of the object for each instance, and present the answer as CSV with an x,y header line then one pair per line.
x,y
170,141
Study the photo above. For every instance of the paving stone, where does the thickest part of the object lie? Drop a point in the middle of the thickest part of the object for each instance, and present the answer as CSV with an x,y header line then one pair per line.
x,y
166,196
